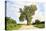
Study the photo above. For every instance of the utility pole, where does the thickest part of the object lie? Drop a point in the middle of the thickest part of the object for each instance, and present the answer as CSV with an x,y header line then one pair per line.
x,y
5,7
5,15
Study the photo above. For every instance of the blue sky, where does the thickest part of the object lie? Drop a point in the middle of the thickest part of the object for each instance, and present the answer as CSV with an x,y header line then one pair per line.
x,y
13,8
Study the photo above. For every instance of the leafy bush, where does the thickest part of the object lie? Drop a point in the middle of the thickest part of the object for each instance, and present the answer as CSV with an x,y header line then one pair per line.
x,y
11,24
37,21
10,20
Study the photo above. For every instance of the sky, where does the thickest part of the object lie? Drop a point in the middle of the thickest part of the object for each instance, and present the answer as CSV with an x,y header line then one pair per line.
x,y
14,5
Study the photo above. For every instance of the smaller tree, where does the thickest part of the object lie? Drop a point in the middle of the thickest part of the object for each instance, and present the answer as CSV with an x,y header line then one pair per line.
x,y
37,21
43,22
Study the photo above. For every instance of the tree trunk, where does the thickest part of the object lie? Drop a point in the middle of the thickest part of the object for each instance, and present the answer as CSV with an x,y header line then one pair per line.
x,y
28,22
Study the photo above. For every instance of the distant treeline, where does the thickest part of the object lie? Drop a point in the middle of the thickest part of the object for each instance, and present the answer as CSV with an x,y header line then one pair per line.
x,y
39,22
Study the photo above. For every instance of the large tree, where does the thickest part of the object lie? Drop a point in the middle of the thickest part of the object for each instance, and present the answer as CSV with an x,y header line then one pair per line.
x,y
27,12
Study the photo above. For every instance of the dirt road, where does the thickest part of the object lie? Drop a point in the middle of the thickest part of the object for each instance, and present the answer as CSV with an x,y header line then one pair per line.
x,y
27,27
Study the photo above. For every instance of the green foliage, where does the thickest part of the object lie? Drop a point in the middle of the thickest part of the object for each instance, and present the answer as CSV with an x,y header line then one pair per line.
x,y
20,10
11,24
27,12
22,17
39,24
37,21
13,27
10,20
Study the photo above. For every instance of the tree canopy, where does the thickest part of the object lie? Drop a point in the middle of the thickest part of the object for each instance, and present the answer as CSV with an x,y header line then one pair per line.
x,y
27,12
10,20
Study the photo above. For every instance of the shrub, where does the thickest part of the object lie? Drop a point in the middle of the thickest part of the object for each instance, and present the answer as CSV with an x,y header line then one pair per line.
x,y
10,23
37,21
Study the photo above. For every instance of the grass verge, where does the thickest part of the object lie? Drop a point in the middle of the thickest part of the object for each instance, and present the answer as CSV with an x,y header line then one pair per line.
x,y
13,27
40,25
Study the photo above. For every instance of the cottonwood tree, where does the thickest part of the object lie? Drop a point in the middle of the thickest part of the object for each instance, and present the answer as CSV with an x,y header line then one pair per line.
x,y
27,12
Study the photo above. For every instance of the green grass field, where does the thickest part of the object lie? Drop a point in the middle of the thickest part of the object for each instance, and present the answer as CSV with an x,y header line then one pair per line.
x,y
40,25
13,27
